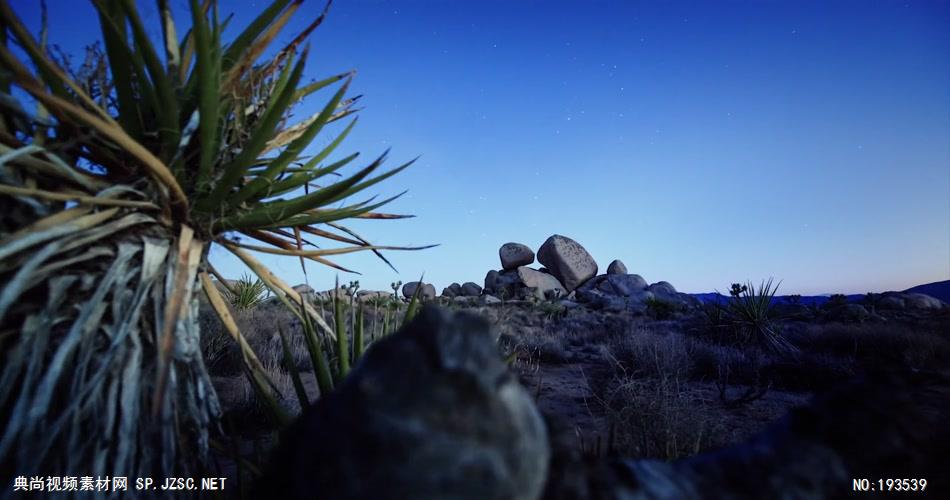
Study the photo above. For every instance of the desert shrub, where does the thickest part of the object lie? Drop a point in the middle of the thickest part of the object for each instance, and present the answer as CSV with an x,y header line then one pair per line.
x,y
872,344
550,311
664,418
747,318
707,359
836,300
810,372
660,309
651,354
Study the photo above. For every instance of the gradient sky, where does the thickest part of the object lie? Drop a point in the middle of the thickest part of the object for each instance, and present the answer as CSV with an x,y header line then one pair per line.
x,y
702,143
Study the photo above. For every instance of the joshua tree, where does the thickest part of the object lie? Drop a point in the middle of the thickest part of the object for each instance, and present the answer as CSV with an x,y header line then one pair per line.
x,y
112,194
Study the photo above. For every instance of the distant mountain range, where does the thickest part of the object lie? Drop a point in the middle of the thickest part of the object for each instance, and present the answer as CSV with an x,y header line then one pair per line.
x,y
938,289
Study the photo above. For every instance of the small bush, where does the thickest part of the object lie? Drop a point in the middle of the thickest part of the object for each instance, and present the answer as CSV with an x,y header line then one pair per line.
x,y
660,309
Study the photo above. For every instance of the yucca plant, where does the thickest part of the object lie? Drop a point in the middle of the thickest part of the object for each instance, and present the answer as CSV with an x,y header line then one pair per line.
x,y
749,310
247,292
113,192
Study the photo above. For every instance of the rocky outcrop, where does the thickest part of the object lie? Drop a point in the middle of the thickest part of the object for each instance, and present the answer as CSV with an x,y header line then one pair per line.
x,y
921,301
616,267
430,412
570,272
567,260
904,301
630,292
514,255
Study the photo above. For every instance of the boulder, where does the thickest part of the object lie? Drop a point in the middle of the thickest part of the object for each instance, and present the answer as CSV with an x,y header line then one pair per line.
x,y
921,301
504,282
304,289
491,280
546,286
623,284
470,289
616,267
891,302
427,292
848,313
514,255
567,260
489,299
662,288
429,412
568,304
453,290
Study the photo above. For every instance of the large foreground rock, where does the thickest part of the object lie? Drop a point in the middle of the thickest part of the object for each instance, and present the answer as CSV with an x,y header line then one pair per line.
x,y
431,412
513,255
567,260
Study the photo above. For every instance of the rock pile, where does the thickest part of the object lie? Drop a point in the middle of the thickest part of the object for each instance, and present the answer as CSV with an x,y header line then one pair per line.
x,y
570,272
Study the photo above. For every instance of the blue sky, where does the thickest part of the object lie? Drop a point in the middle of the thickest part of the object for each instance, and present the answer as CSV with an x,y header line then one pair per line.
x,y
700,142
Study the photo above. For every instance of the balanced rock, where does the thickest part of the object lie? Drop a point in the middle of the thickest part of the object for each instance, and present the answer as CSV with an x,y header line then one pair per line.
x,y
430,412
303,289
616,267
515,254
470,289
567,260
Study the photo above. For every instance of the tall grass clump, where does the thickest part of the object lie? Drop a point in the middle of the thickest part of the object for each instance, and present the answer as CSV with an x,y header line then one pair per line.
x,y
116,179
